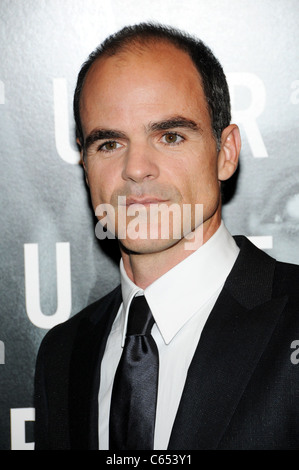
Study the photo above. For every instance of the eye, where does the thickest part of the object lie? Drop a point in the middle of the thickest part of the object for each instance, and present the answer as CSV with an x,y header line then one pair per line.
x,y
109,146
283,212
292,207
172,138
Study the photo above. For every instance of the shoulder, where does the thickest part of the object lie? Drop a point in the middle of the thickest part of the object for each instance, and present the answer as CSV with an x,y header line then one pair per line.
x,y
61,337
286,274
286,279
260,277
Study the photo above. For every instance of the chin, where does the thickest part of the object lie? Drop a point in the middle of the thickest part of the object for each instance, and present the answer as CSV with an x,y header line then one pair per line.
x,y
148,246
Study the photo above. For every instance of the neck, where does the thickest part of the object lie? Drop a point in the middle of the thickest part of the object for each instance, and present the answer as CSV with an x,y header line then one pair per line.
x,y
144,268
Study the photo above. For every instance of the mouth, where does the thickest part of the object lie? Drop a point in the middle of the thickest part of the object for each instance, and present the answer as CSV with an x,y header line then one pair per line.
x,y
143,201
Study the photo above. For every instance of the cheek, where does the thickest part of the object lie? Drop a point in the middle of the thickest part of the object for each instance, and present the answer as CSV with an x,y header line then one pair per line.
x,y
101,184
200,182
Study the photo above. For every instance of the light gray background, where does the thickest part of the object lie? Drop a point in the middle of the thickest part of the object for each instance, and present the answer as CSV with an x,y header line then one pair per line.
x,y
43,195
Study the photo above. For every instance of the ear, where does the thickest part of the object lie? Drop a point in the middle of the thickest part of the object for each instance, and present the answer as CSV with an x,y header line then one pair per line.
x,y
229,153
82,160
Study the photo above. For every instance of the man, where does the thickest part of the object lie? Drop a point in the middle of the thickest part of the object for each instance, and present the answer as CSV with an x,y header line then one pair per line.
x,y
215,370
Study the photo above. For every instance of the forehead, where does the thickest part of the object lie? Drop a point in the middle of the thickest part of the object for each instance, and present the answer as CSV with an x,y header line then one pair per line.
x,y
144,78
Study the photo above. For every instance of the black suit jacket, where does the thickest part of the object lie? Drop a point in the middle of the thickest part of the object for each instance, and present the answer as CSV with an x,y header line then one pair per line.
x,y
242,388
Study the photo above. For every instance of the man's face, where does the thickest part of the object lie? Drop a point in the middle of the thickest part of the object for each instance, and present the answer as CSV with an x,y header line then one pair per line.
x,y
148,137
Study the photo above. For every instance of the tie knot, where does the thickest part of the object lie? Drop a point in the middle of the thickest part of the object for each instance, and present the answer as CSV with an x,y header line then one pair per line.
x,y
140,319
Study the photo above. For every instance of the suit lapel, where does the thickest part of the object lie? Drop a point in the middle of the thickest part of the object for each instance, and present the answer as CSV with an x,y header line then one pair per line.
x,y
88,350
230,347
231,344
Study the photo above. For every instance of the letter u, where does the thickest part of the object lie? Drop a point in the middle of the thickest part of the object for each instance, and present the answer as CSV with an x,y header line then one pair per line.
x,y
61,121
32,286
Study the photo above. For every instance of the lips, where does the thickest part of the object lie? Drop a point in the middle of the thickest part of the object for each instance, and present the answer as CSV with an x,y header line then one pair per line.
x,y
144,201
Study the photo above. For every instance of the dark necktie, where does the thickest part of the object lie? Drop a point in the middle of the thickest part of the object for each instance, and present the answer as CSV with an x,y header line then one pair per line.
x,y
134,394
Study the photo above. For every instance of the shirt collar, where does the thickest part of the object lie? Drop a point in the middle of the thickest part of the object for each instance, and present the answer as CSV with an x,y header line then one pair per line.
x,y
177,295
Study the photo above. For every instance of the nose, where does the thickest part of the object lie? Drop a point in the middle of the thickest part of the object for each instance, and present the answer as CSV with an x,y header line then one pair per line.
x,y
140,164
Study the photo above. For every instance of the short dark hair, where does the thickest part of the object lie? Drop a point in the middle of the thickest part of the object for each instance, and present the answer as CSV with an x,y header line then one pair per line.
x,y
213,78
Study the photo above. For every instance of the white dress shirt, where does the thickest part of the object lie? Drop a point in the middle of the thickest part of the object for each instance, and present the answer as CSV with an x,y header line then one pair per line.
x,y
181,301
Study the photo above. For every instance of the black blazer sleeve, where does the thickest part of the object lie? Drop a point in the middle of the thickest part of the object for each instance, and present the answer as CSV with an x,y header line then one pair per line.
x,y
51,388
67,377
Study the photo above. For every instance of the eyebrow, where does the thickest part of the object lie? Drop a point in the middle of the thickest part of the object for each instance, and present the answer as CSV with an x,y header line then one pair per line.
x,y
102,134
176,121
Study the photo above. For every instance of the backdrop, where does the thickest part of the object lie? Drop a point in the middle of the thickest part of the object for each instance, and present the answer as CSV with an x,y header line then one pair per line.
x,y
52,265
